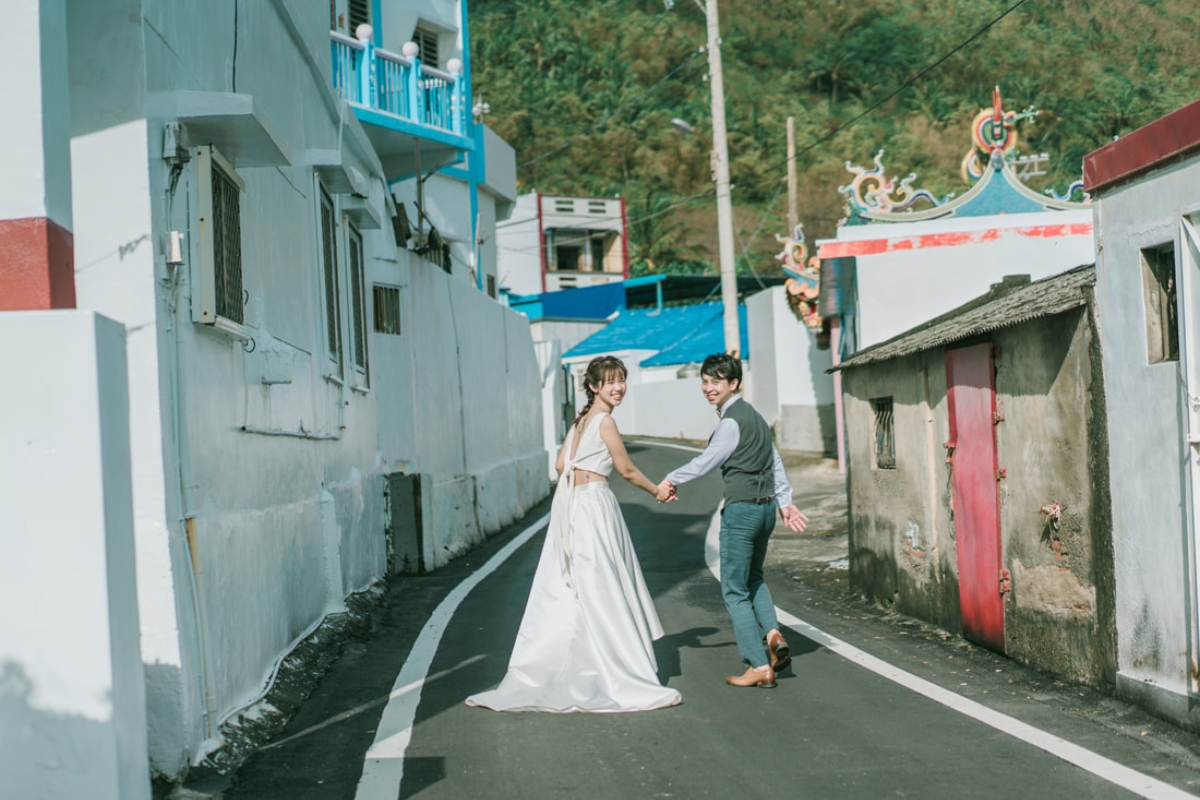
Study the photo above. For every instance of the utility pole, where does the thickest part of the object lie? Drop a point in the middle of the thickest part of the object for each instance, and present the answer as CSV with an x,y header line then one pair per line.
x,y
733,337
793,212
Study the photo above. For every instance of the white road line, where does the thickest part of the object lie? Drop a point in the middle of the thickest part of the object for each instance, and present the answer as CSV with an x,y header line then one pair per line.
x,y
1105,768
686,447
383,767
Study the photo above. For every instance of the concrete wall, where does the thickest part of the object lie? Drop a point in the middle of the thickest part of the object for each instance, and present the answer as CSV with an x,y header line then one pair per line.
x,y
791,388
259,465
1154,541
72,697
1059,614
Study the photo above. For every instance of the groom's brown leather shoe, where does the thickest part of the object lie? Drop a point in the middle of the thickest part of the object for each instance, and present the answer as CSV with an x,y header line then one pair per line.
x,y
778,652
762,677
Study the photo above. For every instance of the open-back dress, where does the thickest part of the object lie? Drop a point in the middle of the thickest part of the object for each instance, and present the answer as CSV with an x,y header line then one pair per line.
x,y
585,642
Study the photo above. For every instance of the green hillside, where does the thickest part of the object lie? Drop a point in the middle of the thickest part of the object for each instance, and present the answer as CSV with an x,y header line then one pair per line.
x,y
585,92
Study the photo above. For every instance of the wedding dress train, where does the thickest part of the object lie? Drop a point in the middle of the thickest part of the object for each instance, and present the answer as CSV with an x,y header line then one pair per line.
x,y
585,642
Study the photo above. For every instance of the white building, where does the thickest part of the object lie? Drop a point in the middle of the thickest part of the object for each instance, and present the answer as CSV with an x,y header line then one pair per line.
x,y
903,257
553,242
299,279
1147,207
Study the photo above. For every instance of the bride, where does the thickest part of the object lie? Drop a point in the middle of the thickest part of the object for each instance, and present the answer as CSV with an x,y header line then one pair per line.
x,y
585,640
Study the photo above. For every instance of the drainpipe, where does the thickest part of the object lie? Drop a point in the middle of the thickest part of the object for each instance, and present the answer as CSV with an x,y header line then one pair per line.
x,y
177,320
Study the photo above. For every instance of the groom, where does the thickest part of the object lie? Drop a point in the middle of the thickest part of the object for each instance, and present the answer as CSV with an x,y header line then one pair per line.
x,y
755,484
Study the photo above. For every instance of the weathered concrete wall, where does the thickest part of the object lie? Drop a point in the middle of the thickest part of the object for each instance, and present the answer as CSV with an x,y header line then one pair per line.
x,y
901,541
1051,444
1154,541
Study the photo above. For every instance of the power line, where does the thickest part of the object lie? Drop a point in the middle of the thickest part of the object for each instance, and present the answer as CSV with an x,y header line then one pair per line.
x,y
875,106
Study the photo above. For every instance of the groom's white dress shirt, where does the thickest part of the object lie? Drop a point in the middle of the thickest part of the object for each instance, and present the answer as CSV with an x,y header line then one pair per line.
x,y
720,447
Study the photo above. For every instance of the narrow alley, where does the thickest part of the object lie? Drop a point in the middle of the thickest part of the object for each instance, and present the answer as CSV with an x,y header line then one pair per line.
x,y
875,704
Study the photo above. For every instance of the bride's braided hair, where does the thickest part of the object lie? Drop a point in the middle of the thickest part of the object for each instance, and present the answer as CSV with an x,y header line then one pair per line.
x,y
599,370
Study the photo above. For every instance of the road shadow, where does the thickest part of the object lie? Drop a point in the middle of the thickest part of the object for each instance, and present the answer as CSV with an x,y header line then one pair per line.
x,y
666,649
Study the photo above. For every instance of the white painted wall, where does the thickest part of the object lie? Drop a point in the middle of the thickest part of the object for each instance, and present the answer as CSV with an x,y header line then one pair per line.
x,y
72,698
903,287
259,506
518,251
36,154
1153,542
791,388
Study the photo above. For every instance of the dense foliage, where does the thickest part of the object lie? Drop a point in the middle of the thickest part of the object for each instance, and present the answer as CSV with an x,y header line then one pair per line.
x,y
585,92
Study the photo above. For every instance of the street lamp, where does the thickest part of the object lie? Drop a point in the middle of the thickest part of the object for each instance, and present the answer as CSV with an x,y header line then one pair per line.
x,y
720,163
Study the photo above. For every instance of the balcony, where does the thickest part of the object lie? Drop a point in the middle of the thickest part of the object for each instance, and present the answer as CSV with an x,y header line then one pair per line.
x,y
414,114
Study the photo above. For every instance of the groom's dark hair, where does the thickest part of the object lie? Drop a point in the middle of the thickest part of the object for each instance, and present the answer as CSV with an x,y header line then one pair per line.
x,y
723,367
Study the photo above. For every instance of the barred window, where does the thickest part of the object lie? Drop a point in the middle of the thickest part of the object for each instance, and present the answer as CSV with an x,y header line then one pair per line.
x,y
358,299
227,245
333,304
885,434
387,310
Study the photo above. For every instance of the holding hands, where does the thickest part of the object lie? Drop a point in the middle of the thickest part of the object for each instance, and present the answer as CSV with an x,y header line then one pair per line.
x,y
666,492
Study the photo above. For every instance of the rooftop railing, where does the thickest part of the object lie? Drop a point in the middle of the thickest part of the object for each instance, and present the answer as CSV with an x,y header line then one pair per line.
x,y
399,85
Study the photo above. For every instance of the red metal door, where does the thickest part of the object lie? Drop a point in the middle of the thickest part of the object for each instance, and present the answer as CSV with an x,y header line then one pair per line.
x,y
971,401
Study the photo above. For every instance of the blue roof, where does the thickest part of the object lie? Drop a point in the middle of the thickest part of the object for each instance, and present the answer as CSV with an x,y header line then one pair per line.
x,y
679,335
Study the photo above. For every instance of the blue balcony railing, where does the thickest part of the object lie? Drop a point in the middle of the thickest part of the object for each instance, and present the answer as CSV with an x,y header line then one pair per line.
x,y
394,84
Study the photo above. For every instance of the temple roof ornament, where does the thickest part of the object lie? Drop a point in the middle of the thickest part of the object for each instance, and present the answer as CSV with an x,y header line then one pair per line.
x,y
990,166
803,283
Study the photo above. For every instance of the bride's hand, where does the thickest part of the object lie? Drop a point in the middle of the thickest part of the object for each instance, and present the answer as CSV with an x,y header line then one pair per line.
x,y
666,492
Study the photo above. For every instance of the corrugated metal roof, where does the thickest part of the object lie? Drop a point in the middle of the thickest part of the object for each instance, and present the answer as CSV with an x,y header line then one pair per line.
x,y
1044,298
679,335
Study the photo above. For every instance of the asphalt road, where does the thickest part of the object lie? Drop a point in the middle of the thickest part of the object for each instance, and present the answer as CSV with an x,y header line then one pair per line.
x,y
832,729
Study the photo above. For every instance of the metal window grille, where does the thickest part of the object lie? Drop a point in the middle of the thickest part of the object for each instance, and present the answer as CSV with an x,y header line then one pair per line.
x,y
227,246
885,434
1159,296
387,310
360,14
359,300
427,40
333,305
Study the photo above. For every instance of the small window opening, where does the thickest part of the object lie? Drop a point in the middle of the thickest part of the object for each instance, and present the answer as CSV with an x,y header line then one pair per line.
x,y
885,434
1158,284
387,310
427,41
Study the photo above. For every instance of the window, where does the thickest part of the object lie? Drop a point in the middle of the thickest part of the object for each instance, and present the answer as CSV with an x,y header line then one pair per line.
x,y
491,286
333,300
427,41
885,435
218,291
360,14
358,298
1158,290
597,245
567,258
387,310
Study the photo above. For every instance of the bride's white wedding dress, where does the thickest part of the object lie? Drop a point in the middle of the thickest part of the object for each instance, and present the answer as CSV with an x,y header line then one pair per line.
x,y
585,642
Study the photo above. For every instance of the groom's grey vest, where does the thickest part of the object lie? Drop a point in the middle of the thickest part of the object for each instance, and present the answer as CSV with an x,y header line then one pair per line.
x,y
749,473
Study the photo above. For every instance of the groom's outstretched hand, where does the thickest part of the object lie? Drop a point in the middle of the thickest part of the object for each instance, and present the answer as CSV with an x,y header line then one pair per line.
x,y
666,492
794,519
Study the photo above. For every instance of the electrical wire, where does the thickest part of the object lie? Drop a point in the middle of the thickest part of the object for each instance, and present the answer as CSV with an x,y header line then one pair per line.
x,y
876,105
